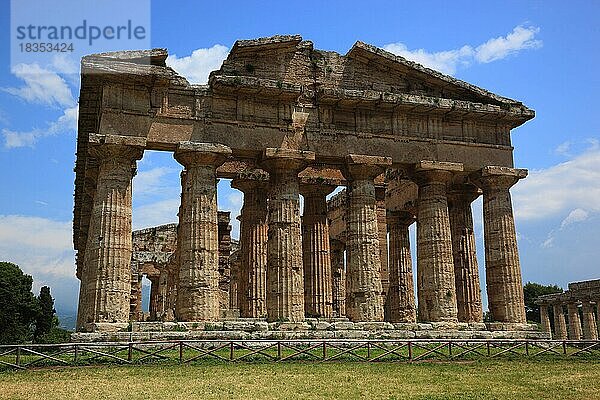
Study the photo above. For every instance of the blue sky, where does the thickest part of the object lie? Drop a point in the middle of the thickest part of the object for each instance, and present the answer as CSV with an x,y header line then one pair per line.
x,y
545,54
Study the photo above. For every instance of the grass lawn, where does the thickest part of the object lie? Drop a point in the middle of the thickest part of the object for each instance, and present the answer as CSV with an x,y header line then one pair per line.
x,y
484,379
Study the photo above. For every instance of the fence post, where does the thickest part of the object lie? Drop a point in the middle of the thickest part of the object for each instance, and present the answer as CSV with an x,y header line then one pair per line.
x,y
18,356
368,351
231,350
129,351
410,357
76,349
180,352
324,350
279,350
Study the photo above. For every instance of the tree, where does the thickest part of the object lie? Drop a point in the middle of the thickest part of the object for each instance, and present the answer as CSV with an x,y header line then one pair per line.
x,y
18,306
532,291
45,320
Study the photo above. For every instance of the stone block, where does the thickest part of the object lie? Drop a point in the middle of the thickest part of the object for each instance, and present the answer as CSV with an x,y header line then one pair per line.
x,y
374,326
342,326
351,334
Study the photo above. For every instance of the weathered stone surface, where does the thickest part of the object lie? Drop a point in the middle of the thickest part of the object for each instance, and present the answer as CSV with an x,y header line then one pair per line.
x,y
106,278
466,270
435,263
401,293
338,272
364,300
318,280
198,288
590,330
285,272
253,241
574,321
560,326
503,269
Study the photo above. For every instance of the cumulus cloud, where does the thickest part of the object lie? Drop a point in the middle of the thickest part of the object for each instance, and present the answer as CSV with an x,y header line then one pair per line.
x,y
152,181
448,61
577,215
157,213
196,67
41,85
561,189
67,122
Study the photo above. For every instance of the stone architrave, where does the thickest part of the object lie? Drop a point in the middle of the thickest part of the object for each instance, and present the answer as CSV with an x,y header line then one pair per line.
x,y
574,321
338,273
435,263
253,243
198,245
285,271
318,300
545,319
401,294
105,288
466,270
364,300
560,325
590,330
502,265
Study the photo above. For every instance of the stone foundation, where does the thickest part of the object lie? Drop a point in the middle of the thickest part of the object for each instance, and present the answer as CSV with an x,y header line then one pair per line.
x,y
338,328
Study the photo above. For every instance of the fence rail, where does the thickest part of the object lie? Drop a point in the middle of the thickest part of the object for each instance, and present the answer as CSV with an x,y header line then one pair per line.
x,y
190,351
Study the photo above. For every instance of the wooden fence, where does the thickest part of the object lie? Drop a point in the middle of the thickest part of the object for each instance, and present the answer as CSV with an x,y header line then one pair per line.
x,y
190,351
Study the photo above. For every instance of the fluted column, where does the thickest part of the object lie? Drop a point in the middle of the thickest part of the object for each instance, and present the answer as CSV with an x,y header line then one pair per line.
x,y
401,294
435,263
466,270
197,241
560,326
574,321
318,301
252,280
285,272
383,242
105,288
503,268
338,280
364,300
545,319
590,330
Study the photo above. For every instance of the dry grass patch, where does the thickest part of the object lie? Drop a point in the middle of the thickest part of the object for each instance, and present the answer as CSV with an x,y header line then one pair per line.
x,y
485,379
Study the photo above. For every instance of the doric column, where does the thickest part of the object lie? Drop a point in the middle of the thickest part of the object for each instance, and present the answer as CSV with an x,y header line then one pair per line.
x,y
318,301
364,300
574,321
502,266
435,264
338,273
590,330
545,319
105,288
383,242
466,271
197,241
401,294
285,272
252,299
560,326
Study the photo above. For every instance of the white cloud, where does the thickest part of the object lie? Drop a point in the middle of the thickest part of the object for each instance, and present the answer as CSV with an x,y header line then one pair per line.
x,y
520,38
151,181
449,61
67,122
577,215
560,189
196,67
157,213
42,86
563,149
40,246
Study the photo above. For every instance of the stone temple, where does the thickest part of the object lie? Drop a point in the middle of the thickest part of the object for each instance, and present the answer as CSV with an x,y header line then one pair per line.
x,y
282,119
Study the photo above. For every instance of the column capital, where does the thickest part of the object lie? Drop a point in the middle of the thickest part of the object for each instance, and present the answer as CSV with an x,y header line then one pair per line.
x,y
427,172
191,154
246,182
316,189
275,160
497,178
400,217
116,153
463,193
359,166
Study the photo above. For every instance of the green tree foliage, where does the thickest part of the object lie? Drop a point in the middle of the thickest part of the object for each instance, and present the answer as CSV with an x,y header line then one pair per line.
x,y
45,320
18,306
532,291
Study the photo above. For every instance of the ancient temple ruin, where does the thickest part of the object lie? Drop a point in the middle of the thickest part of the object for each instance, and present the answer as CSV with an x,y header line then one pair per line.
x,y
284,120
579,321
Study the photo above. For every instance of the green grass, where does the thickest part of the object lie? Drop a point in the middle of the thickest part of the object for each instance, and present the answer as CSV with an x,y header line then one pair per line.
x,y
483,379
